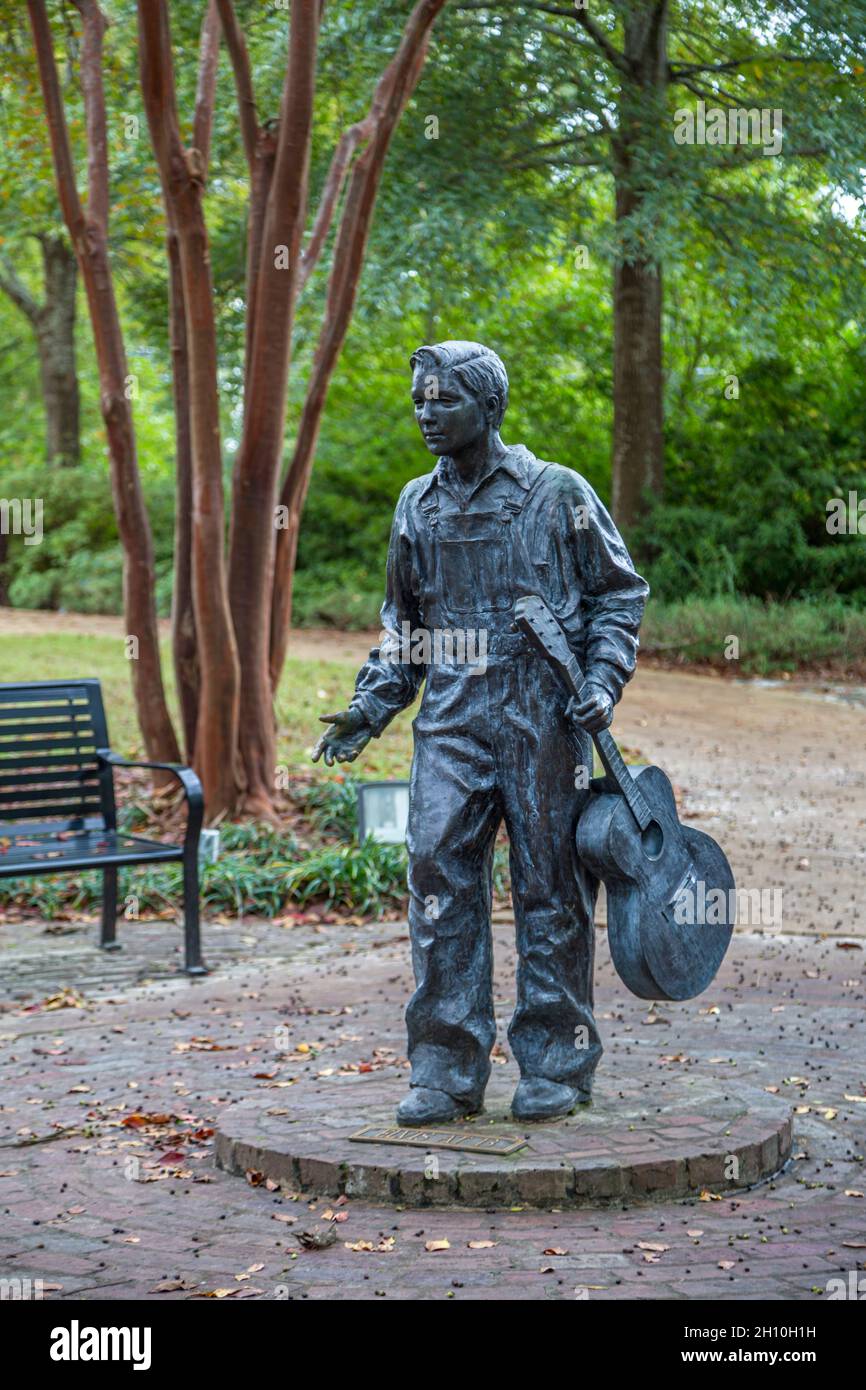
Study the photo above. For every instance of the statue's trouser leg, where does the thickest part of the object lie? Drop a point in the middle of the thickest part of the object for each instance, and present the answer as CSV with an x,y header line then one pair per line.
x,y
454,813
553,1032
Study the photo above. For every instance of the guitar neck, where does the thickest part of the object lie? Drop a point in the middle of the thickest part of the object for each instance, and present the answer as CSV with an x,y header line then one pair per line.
x,y
608,752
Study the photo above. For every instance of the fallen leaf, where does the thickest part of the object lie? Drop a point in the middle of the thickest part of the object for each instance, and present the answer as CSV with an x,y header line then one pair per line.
x,y
481,1244
433,1245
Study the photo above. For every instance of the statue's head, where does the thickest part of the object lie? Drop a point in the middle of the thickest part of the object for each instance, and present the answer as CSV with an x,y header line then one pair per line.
x,y
460,392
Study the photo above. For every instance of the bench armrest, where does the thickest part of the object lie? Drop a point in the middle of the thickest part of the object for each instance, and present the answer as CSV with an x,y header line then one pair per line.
x,y
192,788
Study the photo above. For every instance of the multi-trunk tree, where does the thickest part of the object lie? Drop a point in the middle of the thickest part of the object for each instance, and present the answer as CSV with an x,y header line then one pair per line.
x,y
232,600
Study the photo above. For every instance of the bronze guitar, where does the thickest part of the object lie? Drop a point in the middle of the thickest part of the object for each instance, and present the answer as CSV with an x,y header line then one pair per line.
x,y
670,890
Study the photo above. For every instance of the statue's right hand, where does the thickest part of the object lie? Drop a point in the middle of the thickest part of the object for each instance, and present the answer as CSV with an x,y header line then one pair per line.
x,y
348,733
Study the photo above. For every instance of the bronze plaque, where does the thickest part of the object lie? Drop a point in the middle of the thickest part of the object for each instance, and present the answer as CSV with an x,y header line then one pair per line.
x,y
439,1139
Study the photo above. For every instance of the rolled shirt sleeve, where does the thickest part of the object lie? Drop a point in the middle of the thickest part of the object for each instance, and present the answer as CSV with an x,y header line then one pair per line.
x,y
614,594
389,680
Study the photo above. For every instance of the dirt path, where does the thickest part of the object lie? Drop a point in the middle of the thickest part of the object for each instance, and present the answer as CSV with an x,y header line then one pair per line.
x,y
777,775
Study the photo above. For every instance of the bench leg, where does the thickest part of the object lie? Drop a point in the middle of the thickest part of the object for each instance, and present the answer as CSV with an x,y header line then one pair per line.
x,y
108,934
193,964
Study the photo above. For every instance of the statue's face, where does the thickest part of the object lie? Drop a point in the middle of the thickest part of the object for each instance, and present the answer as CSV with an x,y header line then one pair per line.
x,y
449,417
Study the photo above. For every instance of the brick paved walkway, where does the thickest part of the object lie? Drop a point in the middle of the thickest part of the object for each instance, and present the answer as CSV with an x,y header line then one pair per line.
x,y
111,1090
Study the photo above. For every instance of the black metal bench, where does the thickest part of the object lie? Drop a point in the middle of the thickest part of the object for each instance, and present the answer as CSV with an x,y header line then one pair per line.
x,y
57,809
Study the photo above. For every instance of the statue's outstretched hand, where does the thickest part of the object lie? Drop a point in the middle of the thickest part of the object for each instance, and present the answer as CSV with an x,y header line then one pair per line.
x,y
348,734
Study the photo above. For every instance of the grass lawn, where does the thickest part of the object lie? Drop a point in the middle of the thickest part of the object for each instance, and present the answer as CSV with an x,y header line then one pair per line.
x,y
308,689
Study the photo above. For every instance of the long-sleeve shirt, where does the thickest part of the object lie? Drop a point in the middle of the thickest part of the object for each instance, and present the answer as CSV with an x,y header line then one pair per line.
x,y
580,566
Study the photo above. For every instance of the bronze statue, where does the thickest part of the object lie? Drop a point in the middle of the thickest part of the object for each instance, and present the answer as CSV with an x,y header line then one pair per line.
x,y
494,737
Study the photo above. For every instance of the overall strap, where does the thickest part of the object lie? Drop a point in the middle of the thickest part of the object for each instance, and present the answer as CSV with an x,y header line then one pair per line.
x,y
513,506
525,575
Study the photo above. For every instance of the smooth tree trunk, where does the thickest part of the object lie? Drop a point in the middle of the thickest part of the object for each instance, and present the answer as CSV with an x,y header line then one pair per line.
x,y
257,465
638,375
638,383
183,631
89,234
56,338
52,320
393,91
184,644
182,176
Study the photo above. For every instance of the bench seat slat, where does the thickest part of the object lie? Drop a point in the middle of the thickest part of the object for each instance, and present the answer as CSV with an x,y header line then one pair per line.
x,y
26,760
74,776
50,745
44,691
60,728
64,710
46,854
78,808
16,795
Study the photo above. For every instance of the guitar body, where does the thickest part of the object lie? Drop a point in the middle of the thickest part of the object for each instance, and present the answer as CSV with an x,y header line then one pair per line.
x,y
670,891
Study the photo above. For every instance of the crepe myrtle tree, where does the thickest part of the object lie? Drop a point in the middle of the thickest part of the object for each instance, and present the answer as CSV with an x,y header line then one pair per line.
x,y
232,600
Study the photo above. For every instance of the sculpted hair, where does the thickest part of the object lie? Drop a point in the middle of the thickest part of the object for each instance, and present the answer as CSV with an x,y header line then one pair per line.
x,y
477,366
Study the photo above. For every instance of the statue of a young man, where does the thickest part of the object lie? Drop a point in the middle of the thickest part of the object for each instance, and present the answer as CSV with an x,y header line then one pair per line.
x,y
492,738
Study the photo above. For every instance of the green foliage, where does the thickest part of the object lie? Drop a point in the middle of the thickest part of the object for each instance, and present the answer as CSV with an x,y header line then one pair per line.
x,y
331,806
341,595
772,637
749,479
476,235
362,878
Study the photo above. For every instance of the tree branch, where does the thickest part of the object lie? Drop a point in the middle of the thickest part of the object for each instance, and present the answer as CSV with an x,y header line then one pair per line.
x,y
687,69
58,132
94,27
240,61
602,42
205,92
18,292
348,143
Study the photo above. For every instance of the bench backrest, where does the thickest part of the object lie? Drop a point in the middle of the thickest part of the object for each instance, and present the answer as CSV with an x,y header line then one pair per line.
x,y
49,775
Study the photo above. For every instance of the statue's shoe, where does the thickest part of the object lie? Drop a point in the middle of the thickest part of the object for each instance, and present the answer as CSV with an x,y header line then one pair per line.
x,y
539,1099
424,1106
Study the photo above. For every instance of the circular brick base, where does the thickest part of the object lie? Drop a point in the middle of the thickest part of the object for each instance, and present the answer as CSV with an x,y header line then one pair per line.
x,y
622,1147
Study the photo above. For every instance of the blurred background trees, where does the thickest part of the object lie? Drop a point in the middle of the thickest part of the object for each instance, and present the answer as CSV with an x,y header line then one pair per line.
x,y
497,219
